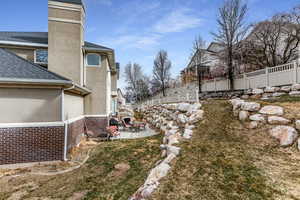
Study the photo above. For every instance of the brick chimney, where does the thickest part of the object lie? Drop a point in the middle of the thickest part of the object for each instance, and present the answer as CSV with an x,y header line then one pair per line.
x,y
66,20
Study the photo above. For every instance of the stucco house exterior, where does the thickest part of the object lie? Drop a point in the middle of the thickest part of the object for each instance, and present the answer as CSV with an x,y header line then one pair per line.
x,y
208,58
53,86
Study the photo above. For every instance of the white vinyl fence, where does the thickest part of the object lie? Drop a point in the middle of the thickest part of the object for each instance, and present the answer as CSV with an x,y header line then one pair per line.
x,y
287,74
271,76
189,97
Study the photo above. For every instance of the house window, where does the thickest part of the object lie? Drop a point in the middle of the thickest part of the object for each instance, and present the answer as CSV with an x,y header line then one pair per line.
x,y
41,56
93,59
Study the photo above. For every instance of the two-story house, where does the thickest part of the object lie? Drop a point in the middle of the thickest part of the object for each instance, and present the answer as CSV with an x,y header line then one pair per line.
x,y
53,86
203,61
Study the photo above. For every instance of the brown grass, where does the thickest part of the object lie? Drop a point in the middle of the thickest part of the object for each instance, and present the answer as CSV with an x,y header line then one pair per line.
x,y
97,179
226,161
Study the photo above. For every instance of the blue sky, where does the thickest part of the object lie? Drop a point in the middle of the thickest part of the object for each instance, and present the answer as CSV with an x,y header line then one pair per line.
x,y
138,29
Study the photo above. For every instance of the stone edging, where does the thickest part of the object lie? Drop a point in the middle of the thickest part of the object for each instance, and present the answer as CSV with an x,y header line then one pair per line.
x,y
176,121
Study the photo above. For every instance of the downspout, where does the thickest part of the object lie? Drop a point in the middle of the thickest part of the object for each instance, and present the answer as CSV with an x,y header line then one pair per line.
x,y
65,121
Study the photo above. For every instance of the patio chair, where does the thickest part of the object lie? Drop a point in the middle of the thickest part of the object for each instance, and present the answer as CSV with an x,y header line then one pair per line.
x,y
126,122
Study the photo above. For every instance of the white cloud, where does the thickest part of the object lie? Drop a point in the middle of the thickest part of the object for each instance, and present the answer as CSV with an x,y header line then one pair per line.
x,y
135,41
177,21
104,2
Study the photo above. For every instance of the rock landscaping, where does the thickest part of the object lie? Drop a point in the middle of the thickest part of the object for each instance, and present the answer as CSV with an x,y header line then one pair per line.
x,y
176,122
256,93
273,92
254,115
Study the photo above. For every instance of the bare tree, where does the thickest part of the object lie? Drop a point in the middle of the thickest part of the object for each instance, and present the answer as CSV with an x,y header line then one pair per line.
x,y
138,83
161,70
197,56
232,29
273,42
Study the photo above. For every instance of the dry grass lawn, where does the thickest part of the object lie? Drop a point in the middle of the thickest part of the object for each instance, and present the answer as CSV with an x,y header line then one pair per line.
x,y
97,179
226,161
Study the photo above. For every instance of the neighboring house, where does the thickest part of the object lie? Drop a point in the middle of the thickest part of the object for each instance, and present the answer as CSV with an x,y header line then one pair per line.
x,y
53,86
205,59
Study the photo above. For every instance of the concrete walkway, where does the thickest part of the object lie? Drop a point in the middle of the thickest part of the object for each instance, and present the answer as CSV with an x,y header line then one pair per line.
x,y
148,132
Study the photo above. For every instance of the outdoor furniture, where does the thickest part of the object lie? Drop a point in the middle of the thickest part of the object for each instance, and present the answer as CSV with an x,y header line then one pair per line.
x,y
140,125
126,122
113,131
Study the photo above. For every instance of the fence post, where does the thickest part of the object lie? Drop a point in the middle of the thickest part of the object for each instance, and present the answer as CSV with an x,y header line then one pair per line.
x,y
245,81
197,96
215,82
267,77
295,72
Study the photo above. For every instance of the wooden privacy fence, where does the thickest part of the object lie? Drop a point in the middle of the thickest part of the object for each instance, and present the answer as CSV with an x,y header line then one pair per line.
x,y
286,74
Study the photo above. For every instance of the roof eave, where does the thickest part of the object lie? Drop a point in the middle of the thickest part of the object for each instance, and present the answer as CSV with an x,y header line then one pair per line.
x,y
34,81
110,54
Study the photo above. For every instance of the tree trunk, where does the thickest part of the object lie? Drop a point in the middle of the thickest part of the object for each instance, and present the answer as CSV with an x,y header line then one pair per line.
x,y
199,79
163,89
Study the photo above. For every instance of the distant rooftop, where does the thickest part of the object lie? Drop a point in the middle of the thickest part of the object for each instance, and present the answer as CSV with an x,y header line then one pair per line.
x,y
39,38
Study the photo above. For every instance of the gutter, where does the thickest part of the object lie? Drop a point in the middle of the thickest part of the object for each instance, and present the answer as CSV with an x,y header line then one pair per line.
x,y
34,81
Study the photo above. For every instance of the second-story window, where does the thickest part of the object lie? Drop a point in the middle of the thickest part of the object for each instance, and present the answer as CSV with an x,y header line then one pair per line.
x,y
93,59
41,56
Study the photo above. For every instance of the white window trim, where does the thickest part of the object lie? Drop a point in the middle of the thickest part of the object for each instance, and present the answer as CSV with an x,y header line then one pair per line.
x,y
86,61
41,63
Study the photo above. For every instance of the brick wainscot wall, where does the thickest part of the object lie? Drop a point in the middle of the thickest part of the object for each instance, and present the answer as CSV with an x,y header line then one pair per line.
x,y
31,144
45,143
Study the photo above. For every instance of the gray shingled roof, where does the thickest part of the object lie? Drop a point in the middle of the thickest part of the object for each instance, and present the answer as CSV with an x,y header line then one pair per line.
x,y
90,45
70,1
14,67
40,38
28,37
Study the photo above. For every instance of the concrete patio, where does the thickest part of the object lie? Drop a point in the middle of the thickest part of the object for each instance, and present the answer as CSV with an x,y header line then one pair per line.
x,y
148,132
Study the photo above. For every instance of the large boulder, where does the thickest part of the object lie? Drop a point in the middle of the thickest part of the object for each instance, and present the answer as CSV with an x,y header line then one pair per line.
x,y
257,117
272,110
243,115
278,120
187,134
196,117
237,103
158,173
271,89
296,87
285,134
257,91
182,119
194,108
295,94
173,149
169,158
278,94
253,125
297,124
174,139
183,107
285,88
245,96
250,106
